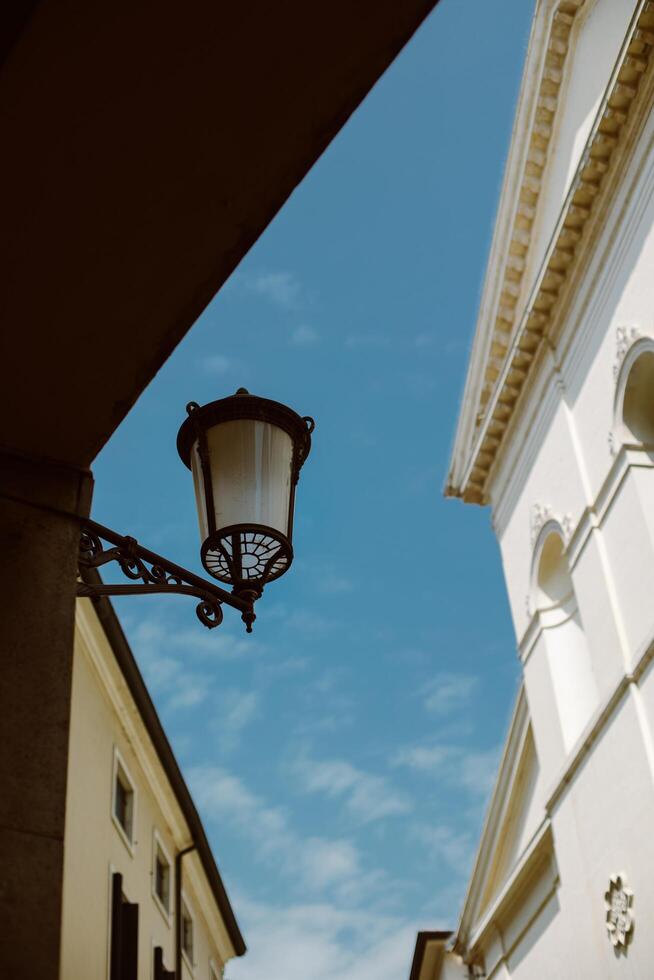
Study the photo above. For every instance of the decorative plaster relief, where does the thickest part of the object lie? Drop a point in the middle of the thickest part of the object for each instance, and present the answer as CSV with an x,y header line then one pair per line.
x,y
624,338
618,900
541,514
567,526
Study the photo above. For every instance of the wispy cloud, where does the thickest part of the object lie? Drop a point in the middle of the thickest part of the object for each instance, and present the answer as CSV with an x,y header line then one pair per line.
x,y
367,341
424,758
327,704
327,578
479,769
281,288
367,797
154,639
445,845
188,690
304,336
179,664
317,863
360,944
236,710
473,770
306,620
448,692
425,340
331,583
219,364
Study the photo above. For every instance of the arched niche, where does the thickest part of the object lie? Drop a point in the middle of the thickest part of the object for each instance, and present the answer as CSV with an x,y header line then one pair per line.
x,y
566,648
634,397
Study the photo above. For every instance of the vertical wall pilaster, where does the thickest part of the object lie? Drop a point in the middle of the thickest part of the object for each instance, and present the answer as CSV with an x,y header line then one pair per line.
x,y
38,567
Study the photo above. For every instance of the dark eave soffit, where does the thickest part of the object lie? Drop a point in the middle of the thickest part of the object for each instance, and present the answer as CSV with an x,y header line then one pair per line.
x,y
146,145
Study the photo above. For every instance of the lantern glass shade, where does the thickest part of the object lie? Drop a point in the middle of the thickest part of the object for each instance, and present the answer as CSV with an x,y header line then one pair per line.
x,y
245,454
250,475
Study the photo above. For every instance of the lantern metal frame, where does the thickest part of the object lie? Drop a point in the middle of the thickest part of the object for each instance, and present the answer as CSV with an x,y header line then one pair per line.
x,y
150,574
222,551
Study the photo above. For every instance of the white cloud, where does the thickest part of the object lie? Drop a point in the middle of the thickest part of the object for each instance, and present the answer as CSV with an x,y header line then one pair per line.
x,y
323,941
332,583
154,639
367,797
314,863
445,846
177,683
189,690
180,664
447,692
235,711
304,336
306,621
478,770
329,862
281,288
469,769
218,364
425,758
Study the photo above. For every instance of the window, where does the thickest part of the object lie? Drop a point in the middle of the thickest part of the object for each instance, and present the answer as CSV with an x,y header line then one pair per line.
x,y
162,879
187,933
570,662
638,407
123,803
161,876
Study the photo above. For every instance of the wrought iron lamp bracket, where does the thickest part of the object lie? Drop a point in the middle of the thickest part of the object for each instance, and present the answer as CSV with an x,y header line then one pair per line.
x,y
152,573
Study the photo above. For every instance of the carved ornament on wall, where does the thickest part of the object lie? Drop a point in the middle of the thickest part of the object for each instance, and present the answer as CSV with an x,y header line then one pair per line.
x,y
541,514
619,919
624,338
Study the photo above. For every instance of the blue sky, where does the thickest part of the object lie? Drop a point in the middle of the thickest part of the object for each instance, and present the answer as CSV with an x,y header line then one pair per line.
x,y
341,756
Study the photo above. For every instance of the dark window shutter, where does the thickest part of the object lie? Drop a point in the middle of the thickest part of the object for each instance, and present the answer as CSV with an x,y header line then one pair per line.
x,y
130,944
160,972
124,934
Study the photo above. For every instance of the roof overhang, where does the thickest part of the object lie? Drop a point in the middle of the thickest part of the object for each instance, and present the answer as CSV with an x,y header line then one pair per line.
x,y
145,148
512,327
428,956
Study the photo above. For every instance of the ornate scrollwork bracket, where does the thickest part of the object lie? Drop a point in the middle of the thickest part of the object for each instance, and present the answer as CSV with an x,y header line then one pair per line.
x,y
151,573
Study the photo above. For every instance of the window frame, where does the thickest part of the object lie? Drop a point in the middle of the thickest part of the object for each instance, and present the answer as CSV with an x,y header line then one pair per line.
x,y
158,845
119,766
185,905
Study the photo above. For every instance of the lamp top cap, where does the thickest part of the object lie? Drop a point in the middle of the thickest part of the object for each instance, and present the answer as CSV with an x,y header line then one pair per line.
x,y
243,405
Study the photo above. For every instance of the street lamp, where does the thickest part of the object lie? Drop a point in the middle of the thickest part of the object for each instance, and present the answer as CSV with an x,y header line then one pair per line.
x,y
245,454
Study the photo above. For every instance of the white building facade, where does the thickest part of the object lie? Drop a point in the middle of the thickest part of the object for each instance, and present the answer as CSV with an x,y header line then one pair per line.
x,y
556,436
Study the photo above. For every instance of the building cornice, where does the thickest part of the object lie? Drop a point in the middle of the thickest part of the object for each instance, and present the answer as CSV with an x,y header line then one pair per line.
x,y
536,852
508,365
497,809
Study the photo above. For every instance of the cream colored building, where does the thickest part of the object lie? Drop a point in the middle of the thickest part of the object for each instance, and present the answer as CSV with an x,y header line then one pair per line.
x,y
556,436
142,894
